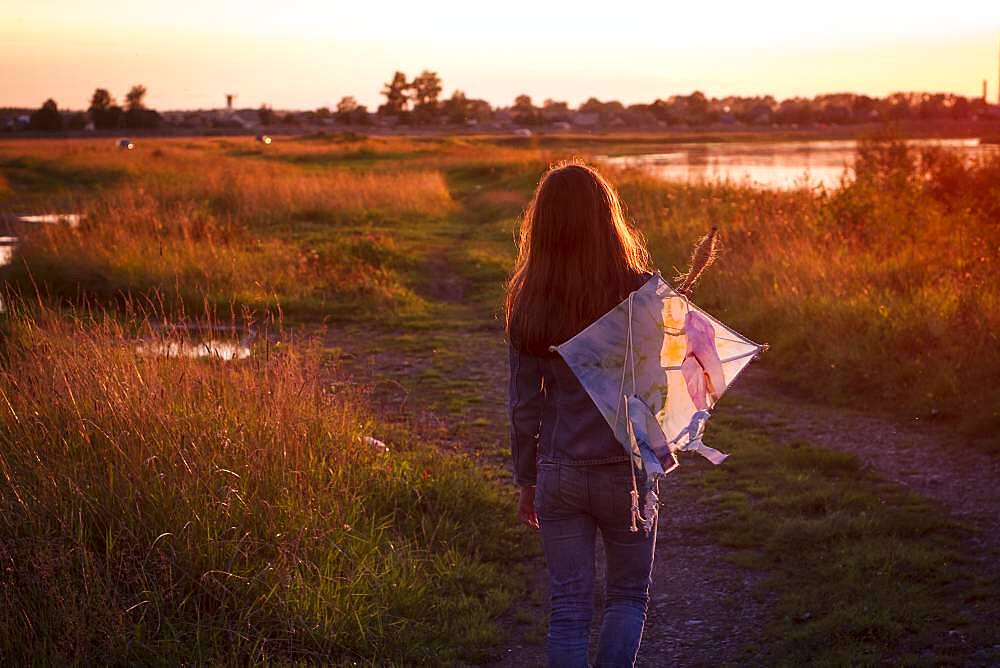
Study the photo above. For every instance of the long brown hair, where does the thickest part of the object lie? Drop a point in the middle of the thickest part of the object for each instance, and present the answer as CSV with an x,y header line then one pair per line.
x,y
577,257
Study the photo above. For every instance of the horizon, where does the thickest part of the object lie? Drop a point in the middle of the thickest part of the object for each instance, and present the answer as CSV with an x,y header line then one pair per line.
x,y
306,56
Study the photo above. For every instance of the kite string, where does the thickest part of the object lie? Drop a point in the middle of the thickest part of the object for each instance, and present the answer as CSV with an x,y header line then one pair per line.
x,y
651,498
631,350
630,355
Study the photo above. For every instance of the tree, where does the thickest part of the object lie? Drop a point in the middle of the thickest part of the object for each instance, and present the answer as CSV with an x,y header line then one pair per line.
x,y
395,93
136,113
426,89
47,118
346,105
104,111
456,108
101,100
76,121
266,115
349,112
525,112
522,103
134,98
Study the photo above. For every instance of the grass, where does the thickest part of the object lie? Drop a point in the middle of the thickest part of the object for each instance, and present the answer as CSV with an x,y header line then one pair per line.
x,y
861,571
166,510
254,234
159,509
886,288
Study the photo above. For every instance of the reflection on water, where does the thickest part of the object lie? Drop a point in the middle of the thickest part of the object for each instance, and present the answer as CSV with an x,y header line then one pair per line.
x,y
71,219
6,255
7,250
224,350
779,165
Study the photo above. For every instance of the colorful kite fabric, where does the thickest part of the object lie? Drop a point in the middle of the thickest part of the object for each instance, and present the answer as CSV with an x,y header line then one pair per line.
x,y
655,365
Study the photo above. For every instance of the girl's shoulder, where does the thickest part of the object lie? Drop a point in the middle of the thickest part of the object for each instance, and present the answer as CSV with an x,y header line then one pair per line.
x,y
642,278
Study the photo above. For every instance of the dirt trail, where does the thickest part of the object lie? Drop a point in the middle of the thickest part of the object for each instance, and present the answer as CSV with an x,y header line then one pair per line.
x,y
929,459
704,611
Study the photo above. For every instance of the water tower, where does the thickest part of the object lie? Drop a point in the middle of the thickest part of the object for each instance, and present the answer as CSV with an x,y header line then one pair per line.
x,y
230,97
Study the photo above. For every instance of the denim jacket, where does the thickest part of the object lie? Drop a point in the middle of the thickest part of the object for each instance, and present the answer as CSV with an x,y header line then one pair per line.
x,y
553,418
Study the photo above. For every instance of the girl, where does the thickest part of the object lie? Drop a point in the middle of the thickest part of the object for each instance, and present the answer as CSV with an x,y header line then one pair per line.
x,y
577,258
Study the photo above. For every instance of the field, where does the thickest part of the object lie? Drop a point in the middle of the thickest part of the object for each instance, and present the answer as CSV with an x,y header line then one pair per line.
x,y
163,507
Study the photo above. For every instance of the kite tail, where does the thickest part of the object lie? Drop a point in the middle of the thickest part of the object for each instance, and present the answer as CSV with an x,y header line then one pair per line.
x,y
651,509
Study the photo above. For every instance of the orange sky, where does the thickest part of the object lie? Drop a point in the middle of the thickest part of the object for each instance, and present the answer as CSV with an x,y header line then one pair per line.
x,y
298,54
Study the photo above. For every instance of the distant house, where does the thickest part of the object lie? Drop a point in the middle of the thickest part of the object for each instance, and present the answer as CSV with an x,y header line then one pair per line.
x,y
560,125
586,120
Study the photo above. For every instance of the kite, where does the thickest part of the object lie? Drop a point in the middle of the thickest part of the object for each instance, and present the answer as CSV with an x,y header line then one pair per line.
x,y
654,366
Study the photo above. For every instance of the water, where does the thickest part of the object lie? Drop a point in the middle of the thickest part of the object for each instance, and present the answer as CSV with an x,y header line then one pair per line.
x,y
71,219
223,350
776,165
7,245
7,250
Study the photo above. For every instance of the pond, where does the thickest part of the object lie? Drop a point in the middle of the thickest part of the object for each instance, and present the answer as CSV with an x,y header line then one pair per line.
x,y
776,165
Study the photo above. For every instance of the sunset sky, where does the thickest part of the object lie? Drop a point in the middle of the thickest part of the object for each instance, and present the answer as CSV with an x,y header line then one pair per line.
x,y
302,55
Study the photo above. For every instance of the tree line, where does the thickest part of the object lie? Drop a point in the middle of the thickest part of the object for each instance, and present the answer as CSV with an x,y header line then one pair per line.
x,y
418,101
104,113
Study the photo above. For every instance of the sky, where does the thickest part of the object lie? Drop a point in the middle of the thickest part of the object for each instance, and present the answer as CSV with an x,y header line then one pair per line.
x,y
296,54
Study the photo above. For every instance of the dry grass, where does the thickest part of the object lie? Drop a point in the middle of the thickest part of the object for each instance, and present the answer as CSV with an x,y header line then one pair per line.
x,y
887,288
155,509
196,226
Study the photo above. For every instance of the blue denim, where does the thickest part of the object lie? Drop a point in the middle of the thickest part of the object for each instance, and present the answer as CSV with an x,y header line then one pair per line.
x,y
572,503
552,417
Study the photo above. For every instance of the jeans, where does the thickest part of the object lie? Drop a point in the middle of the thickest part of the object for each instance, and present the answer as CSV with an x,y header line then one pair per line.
x,y
572,502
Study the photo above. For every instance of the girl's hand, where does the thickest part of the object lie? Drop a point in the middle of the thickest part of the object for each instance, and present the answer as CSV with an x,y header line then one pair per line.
x,y
526,506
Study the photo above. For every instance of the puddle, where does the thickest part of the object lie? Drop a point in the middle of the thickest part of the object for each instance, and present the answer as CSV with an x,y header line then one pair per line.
x,y
71,219
221,342
223,350
7,250
7,246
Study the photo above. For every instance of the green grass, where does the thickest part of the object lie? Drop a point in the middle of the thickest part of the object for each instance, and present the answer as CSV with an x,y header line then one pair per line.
x,y
47,176
862,572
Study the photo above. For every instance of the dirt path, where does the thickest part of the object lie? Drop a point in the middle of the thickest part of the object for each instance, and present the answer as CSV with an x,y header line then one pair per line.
x,y
928,459
448,382
704,611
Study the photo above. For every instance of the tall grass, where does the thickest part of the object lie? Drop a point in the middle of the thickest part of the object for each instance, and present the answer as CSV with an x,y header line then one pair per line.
x,y
886,289
229,229
154,509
